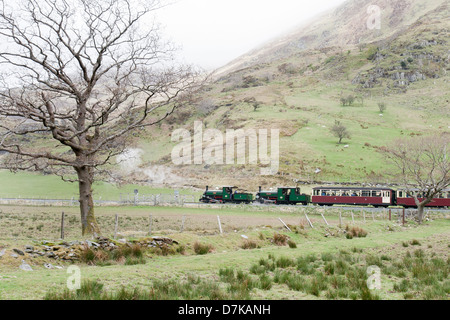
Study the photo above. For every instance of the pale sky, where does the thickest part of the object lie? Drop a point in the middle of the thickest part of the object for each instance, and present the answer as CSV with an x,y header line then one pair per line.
x,y
214,32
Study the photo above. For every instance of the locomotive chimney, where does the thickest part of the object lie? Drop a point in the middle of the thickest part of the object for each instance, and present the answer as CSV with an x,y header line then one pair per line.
x,y
260,188
207,187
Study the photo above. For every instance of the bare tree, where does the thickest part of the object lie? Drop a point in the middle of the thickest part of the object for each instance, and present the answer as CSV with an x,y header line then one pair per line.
x,y
253,102
382,106
206,106
78,76
340,131
422,167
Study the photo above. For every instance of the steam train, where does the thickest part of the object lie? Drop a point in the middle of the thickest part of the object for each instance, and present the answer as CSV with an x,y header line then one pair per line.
x,y
323,196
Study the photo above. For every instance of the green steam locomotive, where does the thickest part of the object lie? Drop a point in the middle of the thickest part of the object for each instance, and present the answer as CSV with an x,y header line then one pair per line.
x,y
283,195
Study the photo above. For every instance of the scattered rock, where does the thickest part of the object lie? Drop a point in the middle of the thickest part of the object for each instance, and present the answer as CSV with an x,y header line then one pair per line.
x,y
2,253
70,251
19,252
25,267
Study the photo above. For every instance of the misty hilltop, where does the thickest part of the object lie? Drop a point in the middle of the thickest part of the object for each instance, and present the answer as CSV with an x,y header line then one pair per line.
x,y
297,83
348,25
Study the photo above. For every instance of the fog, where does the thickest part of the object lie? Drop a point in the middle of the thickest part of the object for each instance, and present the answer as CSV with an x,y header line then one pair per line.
x,y
214,32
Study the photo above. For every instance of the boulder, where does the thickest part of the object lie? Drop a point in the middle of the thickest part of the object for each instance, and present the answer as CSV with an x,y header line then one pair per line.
x,y
19,252
25,266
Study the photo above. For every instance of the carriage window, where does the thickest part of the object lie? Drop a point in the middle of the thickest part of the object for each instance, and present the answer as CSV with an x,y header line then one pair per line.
x,y
366,193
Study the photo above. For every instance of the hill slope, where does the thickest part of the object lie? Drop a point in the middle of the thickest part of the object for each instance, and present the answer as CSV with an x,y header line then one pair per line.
x,y
298,89
296,84
350,24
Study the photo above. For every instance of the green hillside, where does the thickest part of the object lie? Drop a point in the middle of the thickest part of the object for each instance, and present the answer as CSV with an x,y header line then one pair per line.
x,y
301,95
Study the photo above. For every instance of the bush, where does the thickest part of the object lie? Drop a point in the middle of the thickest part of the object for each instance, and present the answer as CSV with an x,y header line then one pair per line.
x,y
292,244
129,255
355,232
287,68
280,239
347,101
371,52
202,249
249,244
382,106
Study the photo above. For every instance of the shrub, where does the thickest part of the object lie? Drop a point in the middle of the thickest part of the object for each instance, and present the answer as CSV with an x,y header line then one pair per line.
x,y
265,282
292,244
202,249
280,239
371,52
382,106
355,232
128,255
249,244
90,290
287,68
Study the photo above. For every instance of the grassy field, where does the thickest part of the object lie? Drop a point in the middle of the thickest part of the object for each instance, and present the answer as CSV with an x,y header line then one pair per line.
x,y
269,266
38,186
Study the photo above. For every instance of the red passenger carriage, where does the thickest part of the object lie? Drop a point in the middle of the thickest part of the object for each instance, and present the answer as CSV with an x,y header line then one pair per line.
x,y
378,197
442,200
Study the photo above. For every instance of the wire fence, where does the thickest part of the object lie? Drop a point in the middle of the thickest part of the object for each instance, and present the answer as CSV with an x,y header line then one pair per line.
x,y
60,225
126,199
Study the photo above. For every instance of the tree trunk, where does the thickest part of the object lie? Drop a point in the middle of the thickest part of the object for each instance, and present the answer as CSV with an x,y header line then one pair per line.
x,y
89,224
420,210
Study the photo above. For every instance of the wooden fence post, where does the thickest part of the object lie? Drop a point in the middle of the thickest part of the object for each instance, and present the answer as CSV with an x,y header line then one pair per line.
x,y
390,214
62,226
353,217
220,225
323,217
340,218
285,224
364,215
404,212
309,221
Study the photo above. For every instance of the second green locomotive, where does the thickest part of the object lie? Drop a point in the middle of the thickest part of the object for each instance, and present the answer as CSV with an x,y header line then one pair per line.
x,y
284,195
226,195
